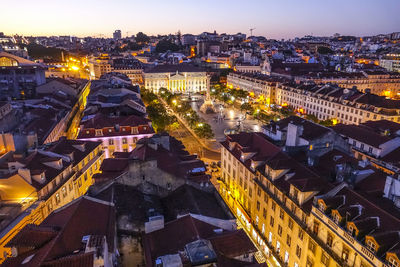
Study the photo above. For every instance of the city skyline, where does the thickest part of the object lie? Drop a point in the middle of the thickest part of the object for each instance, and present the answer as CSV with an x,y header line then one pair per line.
x,y
272,19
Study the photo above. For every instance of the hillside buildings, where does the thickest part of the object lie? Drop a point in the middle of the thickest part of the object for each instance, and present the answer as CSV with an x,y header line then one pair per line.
x,y
129,66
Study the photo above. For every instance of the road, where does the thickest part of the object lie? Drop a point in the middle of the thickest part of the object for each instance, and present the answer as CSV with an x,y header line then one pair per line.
x,y
193,146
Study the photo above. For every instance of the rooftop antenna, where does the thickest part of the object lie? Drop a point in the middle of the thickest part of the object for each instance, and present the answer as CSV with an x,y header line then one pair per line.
x,y
251,31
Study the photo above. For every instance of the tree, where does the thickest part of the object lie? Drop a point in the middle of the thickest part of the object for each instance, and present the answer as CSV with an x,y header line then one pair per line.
x,y
312,117
37,51
326,123
246,106
142,38
165,45
324,50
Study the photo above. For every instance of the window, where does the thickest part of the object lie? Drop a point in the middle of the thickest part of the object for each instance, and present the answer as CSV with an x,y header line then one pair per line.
x,y
250,192
351,229
315,227
70,187
345,253
58,200
279,230
64,191
259,191
288,240
258,205
124,140
298,251
273,206
309,262
392,262
370,150
290,224
281,214
264,213
111,142
271,221
311,246
324,259
329,240
336,218
371,245
301,234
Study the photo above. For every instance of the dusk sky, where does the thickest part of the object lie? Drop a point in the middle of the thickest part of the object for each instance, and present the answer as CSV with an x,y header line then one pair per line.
x,y
271,18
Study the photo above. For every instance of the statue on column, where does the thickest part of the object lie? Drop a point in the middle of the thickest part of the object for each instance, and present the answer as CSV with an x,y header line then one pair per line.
x,y
208,106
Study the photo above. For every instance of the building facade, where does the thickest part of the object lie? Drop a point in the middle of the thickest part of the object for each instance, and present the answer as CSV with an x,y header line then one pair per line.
x,y
297,218
117,133
180,78
45,180
19,76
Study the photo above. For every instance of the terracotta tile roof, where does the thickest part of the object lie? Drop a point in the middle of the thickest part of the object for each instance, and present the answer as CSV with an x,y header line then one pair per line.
x,y
188,229
114,126
83,216
362,134
174,68
33,236
187,199
174,160
233,244
311,130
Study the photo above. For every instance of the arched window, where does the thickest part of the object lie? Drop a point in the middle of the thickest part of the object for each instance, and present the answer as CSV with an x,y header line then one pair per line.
x,y
8,62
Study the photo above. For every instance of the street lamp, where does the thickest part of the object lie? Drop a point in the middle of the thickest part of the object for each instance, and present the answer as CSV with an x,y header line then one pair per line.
x,y
174,101
200,124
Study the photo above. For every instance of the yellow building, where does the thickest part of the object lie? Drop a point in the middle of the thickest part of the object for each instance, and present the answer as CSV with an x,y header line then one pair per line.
x,y
296,217
181,78
47,179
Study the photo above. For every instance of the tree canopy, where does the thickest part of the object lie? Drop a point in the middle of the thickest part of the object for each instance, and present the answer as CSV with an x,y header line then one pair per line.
x,y
142,38
165,45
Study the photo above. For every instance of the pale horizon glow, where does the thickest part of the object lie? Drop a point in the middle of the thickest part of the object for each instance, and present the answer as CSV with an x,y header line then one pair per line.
x,y
271,18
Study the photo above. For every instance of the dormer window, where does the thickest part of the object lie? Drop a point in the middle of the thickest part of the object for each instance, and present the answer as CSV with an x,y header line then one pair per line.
x,y
371,245
321,206
336,218
350,229
392,262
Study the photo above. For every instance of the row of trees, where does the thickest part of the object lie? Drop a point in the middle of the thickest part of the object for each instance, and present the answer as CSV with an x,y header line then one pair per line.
x,y
185,111
159,116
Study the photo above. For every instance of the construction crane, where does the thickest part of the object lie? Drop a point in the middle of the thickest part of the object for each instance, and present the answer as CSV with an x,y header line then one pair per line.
x,y
251,31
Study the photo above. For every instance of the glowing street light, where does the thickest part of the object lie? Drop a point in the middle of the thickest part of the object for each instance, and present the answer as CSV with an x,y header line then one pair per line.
x,y
200,124
174,101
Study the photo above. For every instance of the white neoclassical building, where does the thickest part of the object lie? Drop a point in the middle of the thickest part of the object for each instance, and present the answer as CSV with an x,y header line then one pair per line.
x,y
181,78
